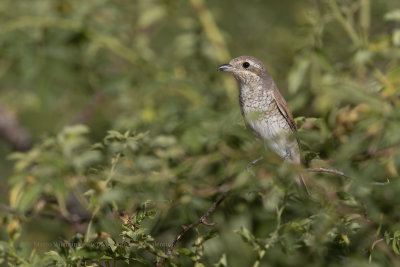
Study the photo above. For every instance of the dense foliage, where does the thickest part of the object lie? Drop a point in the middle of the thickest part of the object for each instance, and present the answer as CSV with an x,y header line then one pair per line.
x,y
135,135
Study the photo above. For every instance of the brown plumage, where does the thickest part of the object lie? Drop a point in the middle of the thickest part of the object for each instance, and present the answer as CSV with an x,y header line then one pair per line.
x,y
272,120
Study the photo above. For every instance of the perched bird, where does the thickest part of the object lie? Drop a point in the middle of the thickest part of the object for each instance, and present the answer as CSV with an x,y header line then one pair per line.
x,y
264,109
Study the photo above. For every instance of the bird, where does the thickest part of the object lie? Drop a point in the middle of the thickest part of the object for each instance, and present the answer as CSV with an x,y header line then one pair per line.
x,y
265,111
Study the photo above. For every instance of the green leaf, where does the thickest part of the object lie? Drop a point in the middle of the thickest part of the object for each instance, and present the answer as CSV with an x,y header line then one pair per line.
x,y
222,262
254,115
297,73
111,243
396,242
247,237
393,15
396,37
85,159
78,129
186,252
30,196
54,255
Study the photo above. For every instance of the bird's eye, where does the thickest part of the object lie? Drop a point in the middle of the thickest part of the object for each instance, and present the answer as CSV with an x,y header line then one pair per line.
x,y
246,65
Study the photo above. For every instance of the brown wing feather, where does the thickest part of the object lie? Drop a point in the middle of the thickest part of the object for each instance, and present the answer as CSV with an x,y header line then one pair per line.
x,y
284,109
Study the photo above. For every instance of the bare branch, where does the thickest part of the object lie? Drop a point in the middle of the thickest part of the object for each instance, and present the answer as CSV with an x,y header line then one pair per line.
x,y
78,221
382,183
202,220
332,171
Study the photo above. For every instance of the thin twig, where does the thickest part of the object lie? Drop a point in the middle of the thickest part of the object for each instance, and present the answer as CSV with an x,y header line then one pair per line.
x,y
202,220
114,162
347,26
382,183
72,218
332,171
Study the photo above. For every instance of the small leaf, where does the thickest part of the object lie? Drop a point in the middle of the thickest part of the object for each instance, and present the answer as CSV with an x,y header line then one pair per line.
x,y
345,239
247,237
393,15
222,262
29,198
396,37
254,115
111,243
297,73
186,252
396,242
78,129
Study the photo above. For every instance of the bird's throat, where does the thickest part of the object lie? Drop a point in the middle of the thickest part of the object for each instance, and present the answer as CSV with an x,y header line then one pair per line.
x,y
254,98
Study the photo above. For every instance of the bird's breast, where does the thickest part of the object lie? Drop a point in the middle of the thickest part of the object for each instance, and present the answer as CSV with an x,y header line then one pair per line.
x,y
261,112
254,99
263,117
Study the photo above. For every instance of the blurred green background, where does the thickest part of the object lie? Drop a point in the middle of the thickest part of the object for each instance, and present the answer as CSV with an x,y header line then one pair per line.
x,y
150,67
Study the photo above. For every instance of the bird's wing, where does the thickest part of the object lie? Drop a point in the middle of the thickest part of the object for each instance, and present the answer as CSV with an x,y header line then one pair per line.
x,y
287,114
284,109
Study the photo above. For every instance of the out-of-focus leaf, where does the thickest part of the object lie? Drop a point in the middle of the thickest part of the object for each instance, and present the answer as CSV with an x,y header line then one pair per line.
x,y
297,73
396,37
111,243
151,15
393,15
86,159
186,252
248,237
28,199
396,242
222,262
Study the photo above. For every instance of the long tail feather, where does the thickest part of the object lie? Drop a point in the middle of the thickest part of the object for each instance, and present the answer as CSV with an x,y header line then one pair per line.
x,y
302,185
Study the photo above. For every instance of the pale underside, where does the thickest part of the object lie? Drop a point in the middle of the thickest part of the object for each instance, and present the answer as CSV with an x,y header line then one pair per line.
x,y
268,122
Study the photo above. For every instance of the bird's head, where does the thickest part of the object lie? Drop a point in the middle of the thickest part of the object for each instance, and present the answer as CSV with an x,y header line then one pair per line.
x,y
246,69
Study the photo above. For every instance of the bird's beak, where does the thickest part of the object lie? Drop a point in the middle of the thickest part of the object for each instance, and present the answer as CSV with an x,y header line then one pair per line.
x,y
225,67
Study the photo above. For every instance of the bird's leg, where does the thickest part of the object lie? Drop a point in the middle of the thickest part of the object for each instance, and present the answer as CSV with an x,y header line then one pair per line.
x,y
250,164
